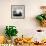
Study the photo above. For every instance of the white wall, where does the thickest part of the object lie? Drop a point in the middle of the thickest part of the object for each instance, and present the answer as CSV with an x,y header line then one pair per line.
x,y
25,26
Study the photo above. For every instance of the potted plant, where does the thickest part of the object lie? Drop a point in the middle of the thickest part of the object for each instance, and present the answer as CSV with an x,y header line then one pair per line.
x,y
42,17
10,31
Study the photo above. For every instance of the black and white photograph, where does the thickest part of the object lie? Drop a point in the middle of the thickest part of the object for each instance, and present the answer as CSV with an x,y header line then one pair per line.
x,y
17,11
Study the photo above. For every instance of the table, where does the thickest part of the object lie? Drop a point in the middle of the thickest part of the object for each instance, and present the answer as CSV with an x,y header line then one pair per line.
x,y
25,44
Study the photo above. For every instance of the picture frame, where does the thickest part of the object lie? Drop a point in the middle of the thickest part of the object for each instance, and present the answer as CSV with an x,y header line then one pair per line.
x,y
17,11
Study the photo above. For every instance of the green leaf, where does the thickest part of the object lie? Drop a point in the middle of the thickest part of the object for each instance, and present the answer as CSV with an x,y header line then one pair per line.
x,y
10,31
40,18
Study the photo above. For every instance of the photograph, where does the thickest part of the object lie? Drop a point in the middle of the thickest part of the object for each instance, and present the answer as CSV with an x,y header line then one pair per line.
x,y
22,22
17,11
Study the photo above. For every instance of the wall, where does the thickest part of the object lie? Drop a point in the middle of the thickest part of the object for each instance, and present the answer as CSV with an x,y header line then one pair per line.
x,y
25,26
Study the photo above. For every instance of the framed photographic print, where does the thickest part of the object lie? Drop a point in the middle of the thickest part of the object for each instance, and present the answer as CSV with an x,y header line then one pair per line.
x,y
17,11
